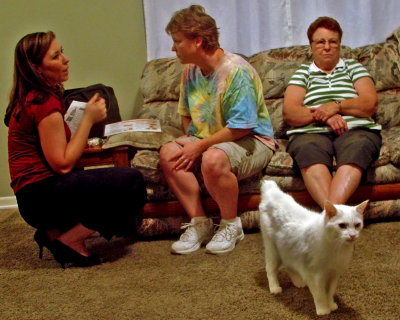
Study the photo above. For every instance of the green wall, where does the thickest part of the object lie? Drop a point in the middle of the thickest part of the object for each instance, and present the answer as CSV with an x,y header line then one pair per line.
x,y
104,40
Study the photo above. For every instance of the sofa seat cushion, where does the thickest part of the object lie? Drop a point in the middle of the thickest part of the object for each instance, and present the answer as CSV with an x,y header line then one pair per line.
x,y
143,140
281,163
382,175
151,227
148,163
279,169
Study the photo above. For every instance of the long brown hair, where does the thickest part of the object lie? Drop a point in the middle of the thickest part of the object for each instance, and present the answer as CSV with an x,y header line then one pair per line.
x,y
29,53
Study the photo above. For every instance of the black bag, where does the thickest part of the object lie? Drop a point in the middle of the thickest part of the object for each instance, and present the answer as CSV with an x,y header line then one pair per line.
x,y
84,95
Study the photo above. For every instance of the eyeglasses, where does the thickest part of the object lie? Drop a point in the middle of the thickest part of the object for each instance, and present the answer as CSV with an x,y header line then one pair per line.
x,y
320,43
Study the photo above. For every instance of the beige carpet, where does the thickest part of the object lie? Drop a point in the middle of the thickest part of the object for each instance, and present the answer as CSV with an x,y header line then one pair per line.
x,y
144,281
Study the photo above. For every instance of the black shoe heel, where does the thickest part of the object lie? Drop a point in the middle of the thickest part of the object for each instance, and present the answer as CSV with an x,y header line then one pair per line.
x,y
42,240
65,254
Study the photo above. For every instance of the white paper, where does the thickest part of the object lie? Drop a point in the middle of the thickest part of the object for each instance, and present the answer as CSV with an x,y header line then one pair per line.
x,y
144,125
74,115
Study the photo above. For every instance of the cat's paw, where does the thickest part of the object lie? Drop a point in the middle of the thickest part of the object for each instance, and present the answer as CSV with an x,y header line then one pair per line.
x,y
299,284
297,281
333,306
275,289
323,311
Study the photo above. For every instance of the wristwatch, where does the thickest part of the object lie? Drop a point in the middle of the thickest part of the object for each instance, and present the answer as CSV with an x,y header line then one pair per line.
x,y
339,103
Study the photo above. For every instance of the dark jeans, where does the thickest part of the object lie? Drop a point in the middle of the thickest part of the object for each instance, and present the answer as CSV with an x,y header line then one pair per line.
x,y
108,200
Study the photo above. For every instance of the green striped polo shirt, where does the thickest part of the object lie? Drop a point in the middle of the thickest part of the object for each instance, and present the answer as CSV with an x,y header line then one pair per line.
x,y
322,87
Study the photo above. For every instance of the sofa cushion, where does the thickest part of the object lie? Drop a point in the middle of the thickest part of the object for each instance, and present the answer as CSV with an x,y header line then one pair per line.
x,y
143,140
382,60
161,79
383,174
165,111
388,114
280,127
276,66
391,137
281,163
147,161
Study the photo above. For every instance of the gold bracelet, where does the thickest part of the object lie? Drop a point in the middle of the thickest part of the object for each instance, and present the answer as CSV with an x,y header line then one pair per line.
x,y
339,103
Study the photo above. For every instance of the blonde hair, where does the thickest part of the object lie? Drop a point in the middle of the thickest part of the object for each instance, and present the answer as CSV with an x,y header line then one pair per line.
x,y
195,22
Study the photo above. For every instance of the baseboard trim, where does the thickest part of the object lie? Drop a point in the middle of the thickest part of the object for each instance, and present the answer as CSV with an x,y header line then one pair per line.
x,y
8,202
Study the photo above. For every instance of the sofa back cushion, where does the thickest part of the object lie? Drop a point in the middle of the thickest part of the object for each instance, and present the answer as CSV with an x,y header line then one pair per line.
x,y
276,66
382,60
160,80
165,111
388,114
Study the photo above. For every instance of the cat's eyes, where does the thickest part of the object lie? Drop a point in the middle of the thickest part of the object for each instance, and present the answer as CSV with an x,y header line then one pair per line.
x,y
345,225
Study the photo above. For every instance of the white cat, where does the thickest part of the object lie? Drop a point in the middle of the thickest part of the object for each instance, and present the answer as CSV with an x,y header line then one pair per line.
x,y
313,248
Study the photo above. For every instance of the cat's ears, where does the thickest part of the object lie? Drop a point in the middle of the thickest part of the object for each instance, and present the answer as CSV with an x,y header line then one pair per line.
x,y
361,207
330,209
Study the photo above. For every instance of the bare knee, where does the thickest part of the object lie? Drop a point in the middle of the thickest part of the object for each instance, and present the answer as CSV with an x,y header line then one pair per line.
x,y
166,154
214,163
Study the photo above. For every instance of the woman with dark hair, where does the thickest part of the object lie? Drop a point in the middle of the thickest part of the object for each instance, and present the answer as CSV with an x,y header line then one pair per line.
x,y
66,206
329,103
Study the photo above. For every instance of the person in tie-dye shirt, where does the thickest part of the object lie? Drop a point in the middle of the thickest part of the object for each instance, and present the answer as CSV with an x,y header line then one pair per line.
x,y
228,131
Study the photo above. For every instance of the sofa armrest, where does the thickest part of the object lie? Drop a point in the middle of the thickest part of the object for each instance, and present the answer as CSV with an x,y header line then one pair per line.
x,y
391,138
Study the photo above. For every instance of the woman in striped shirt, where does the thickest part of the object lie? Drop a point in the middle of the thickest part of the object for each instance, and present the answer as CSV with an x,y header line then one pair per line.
x,y
329,103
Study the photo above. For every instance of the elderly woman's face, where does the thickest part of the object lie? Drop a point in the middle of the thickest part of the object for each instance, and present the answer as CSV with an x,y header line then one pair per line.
x,y
325,47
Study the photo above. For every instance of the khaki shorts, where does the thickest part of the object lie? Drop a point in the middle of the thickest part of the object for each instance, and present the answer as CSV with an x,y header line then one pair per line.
x,y
247,155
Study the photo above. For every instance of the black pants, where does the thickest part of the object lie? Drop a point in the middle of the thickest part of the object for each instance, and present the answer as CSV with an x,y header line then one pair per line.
x,y
108,200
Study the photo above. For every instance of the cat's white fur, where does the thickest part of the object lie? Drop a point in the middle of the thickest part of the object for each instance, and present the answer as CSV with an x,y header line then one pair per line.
x,y
313,248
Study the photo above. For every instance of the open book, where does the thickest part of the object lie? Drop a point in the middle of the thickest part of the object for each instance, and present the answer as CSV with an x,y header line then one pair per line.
x,y
76,109
144,125
74,115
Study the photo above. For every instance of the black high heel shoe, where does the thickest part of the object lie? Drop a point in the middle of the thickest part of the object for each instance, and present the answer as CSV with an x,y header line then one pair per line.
x,y
42,240
65,254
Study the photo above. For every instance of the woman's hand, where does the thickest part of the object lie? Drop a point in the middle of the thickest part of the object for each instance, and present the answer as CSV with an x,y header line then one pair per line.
x,y
338,124
325,111
61,154
96,109
190,151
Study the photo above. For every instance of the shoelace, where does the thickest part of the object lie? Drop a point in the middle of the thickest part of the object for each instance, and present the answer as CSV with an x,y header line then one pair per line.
x,y
225,232
189,233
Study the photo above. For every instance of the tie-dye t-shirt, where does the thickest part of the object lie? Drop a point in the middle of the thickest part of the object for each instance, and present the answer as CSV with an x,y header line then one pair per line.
x,y
231,96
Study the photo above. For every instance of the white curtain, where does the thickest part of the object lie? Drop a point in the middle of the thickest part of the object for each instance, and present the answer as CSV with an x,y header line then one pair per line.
x,y
250,26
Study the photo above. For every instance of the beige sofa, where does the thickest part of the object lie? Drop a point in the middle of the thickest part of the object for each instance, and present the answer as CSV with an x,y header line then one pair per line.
x,y
160,89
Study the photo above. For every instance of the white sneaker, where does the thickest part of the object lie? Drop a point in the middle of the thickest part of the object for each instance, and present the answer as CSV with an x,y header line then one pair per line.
x,y
198,231
225,239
